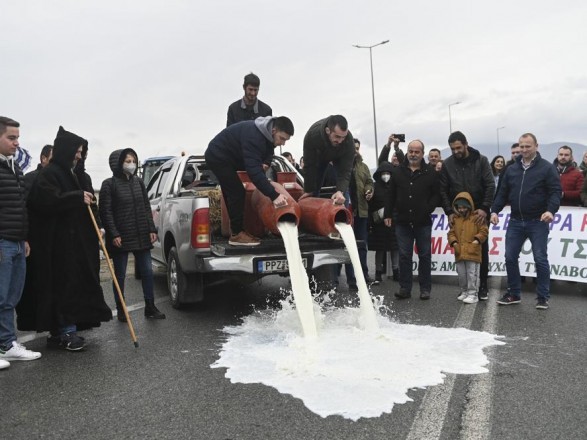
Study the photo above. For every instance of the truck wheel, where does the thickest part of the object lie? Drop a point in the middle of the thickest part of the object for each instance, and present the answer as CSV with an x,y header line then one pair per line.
x,y
183,288
325,276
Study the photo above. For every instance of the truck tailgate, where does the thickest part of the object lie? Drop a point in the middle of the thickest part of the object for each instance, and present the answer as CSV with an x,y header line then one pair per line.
x,y
274,245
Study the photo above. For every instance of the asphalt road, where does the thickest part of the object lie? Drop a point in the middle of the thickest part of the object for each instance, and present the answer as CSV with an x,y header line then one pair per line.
x,y
165,389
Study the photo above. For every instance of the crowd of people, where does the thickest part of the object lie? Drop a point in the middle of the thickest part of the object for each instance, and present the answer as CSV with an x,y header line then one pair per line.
x,y
49,242
393,208
49,249
472,191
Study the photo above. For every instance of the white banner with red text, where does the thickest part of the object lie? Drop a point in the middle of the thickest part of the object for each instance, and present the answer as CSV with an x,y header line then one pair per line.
x,y
567,246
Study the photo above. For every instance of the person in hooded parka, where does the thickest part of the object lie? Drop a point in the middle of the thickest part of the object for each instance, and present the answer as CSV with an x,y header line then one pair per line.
x,y
62,293
381,237
126,215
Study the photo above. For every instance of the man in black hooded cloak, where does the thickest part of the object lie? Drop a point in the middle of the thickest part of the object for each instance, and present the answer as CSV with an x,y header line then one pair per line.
x,y
62,293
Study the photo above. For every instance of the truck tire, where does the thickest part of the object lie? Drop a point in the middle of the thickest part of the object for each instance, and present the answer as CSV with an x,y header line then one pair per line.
x,y
325,277
183,288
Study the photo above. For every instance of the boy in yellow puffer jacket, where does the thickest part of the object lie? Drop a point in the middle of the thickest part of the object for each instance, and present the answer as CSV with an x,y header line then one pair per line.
x,y
466,234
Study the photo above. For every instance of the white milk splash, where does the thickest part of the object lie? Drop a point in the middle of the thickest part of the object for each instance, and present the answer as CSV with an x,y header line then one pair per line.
x,y
348,236
348,371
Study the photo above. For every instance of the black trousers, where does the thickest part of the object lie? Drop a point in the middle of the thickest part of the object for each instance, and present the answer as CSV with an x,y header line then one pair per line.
x,y
233,192
484,269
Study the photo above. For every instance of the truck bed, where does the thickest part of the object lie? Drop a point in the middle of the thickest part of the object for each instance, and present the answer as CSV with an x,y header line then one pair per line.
x,y
274,245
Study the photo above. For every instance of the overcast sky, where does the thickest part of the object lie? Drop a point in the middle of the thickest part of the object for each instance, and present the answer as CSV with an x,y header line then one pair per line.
x,y
158,76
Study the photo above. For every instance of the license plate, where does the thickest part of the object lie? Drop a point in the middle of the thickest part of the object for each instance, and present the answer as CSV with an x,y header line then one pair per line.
x,y
276,265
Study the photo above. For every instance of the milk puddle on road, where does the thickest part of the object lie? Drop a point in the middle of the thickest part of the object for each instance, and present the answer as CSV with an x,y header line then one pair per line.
x,y
349,369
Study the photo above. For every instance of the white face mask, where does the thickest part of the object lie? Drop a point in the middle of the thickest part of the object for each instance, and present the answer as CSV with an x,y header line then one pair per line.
x,y
385,177
129,168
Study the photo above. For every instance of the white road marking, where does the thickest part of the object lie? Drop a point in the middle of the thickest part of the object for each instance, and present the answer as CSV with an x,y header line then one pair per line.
x,y
429,420
430,417
476,419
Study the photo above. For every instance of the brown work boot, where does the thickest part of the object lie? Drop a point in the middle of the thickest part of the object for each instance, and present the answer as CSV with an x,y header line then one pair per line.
x,y
243,239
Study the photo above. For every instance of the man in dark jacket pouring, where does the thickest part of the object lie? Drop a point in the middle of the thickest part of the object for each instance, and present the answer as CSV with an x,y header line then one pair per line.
x,y
328,140
246,146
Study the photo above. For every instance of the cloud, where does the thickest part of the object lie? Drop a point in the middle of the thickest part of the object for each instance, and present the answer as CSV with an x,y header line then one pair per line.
x,y
159,77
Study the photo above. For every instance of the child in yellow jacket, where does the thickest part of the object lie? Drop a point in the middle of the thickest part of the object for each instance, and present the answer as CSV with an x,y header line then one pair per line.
x,y
466,235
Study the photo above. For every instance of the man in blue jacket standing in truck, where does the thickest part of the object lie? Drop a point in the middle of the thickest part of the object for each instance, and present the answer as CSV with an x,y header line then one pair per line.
x,y
246,146
531,186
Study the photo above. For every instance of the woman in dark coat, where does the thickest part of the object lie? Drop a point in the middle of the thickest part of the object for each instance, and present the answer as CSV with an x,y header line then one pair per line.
x,y
126,216
497,169
381,238
62,291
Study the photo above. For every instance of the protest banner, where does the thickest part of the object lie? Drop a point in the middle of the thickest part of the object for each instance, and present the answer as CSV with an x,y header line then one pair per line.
x,y
567,246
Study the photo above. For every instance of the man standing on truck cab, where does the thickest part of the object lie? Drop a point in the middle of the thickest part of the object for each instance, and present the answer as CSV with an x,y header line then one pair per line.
x,y
249,107
246,146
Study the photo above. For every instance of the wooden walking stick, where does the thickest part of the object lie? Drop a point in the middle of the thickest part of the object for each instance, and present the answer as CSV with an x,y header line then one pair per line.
x,y
114,280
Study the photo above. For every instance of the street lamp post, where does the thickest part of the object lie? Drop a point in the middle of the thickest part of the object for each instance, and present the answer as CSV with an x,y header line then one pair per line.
x,y
497,131
450,116
373,89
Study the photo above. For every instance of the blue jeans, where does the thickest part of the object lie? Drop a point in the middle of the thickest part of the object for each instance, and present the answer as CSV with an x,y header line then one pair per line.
x,y
517,233
63,329
361,229
12,276
143,262
406,236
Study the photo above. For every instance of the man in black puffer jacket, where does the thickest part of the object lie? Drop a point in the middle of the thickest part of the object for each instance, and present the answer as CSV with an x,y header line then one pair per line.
x,y
414,197
14,247
126,216
467,170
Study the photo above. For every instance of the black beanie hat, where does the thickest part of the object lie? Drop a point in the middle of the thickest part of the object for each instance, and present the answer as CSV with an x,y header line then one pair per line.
x,y
463,202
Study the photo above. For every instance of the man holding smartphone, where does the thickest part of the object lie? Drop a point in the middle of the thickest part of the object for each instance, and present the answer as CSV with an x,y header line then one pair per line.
x,y
394,139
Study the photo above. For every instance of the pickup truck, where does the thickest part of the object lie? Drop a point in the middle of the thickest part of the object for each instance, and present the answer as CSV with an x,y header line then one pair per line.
x,y
185,203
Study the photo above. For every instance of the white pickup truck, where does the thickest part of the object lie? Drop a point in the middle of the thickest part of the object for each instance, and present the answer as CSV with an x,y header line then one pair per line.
x,y
184,196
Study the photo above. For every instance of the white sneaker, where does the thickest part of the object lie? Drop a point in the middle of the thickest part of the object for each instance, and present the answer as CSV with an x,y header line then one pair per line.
x,y
18,352
462,296
471,299
4,364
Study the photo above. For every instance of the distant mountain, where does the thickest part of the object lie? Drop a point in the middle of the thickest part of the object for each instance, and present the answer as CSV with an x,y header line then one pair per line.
x,y
547,151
